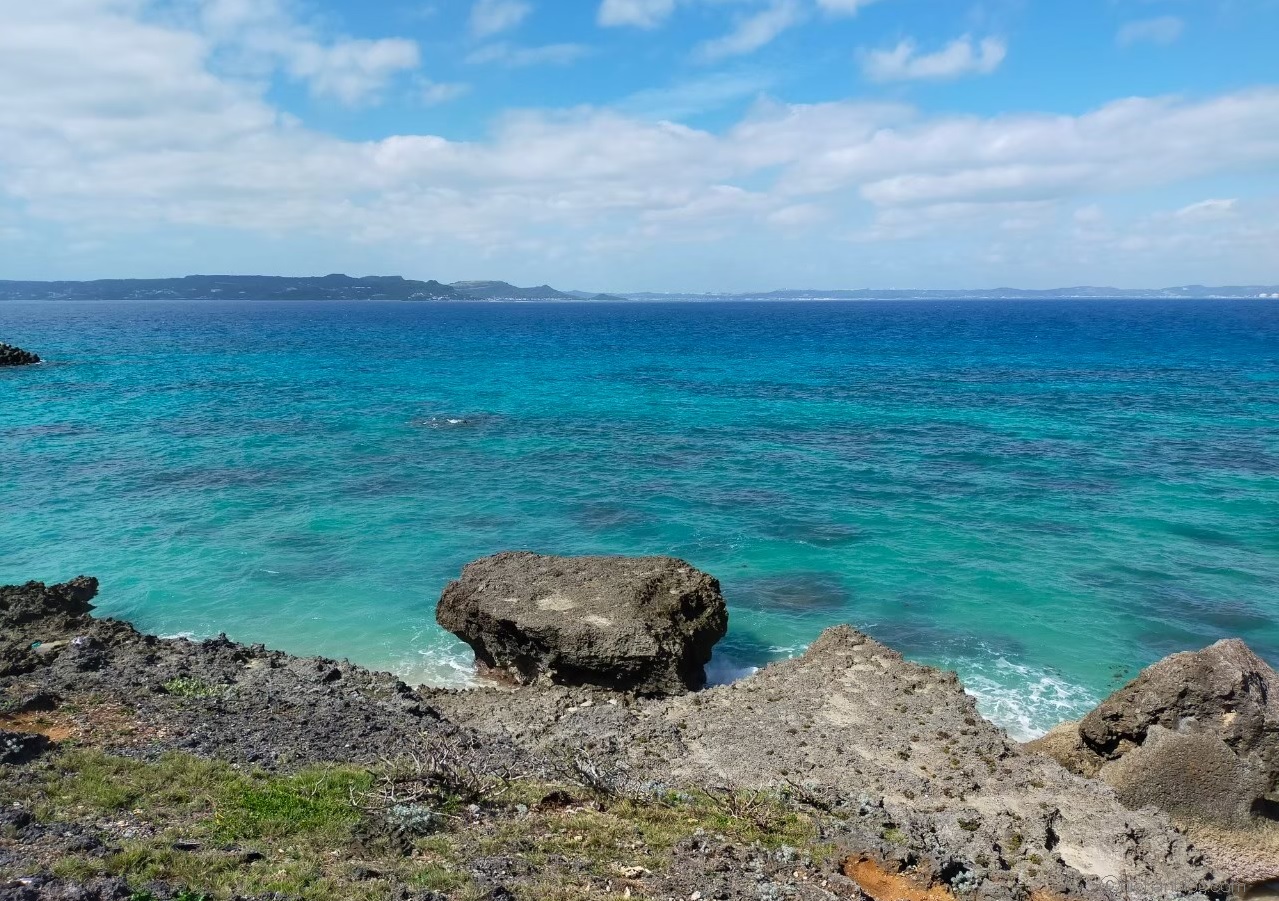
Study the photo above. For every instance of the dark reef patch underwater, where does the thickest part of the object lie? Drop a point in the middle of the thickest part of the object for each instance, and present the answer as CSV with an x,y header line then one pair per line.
x,y
1042,495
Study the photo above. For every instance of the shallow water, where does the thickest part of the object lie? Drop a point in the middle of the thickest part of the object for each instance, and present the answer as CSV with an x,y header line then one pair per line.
x,y
1045,496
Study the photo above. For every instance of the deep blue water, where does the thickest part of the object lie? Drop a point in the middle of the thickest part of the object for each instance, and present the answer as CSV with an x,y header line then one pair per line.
x,y
1042,495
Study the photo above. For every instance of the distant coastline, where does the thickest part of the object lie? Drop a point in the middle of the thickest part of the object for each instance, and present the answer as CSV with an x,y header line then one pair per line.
x,y
394,287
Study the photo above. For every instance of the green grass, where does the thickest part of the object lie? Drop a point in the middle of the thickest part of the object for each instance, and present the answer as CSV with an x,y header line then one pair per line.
x,y
895,836
642,832
176,786
190,687
306,823
316,829
180,896
316,801
436,877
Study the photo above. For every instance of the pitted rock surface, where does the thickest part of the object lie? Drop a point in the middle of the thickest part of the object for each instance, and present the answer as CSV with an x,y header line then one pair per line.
x,y
254,705
897,750
1196,735
639,624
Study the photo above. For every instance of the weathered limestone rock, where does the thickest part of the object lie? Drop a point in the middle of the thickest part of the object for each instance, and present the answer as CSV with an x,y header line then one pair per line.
x,y
1225,689
1196,735
922,785
32,614
22,604
640,624
16,356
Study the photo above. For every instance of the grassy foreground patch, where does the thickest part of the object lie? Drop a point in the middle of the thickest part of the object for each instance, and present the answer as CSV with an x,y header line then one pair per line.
x,y
326,832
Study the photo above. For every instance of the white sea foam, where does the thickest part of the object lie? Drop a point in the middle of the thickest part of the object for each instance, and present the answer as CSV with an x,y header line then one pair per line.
x,y
787,651
1025,701
724,670
443,422
437,667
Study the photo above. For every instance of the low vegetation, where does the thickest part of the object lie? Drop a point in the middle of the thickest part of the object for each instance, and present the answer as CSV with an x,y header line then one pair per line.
x,y
187,687
353,833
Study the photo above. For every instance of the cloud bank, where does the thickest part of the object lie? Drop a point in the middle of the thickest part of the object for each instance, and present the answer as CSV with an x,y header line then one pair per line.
x,y
113,124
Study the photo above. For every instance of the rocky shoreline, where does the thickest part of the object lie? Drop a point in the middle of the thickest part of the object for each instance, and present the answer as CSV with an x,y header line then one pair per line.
x,y
133,767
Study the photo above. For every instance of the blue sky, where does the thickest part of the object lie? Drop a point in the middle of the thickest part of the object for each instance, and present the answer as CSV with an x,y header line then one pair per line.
x,y
685,145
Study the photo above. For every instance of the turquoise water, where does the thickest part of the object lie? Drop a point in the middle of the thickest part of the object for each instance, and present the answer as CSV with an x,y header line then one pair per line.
x,y
1044,496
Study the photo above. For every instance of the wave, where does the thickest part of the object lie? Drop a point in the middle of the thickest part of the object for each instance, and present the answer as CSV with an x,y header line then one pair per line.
x,y
725,670
1024,701
455,421
439,667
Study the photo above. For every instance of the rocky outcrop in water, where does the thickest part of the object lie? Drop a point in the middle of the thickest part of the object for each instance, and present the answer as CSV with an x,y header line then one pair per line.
x,y
16,356
1196,735
639,624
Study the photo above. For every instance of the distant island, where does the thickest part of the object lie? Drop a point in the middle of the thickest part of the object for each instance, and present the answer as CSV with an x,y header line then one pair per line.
x,y
394,287
274,287
1268,292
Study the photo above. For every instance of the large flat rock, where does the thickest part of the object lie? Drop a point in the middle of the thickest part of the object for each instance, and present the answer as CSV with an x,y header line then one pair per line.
x,y
639,624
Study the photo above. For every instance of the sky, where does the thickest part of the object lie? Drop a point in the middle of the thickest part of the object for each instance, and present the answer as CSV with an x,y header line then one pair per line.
x,y
644,145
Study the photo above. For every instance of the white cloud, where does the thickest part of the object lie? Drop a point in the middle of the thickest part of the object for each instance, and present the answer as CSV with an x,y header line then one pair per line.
x,y
698,95
1090,215
433,93
515,57
962,56
121,131
490,17
637,13
1159,30
753,31
1208,209
257,37
799,215
844,7
350,70
914,223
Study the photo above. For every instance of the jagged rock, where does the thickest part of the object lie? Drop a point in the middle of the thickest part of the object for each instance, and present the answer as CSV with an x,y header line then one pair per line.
x,y
1196,735
19,747
34,601
900,774
1225,689
38,889
251,705
16,356
917,779
34,619
640,624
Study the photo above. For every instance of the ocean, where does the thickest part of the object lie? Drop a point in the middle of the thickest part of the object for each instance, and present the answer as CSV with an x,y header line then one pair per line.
x,y
1044,496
